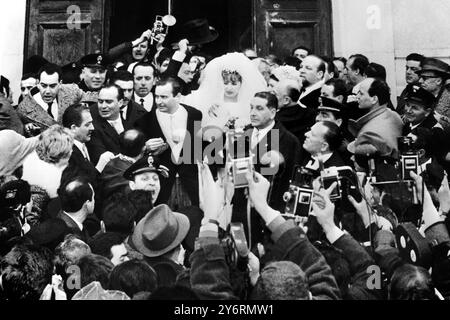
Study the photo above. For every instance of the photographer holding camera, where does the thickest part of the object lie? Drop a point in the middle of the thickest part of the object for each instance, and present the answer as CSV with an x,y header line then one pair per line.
x,y
297,270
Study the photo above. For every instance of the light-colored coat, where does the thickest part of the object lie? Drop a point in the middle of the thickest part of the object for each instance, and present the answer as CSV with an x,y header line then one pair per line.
x,y
31,112
376,133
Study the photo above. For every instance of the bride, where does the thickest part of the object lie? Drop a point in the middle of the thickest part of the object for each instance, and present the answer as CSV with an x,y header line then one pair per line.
x,y
227,86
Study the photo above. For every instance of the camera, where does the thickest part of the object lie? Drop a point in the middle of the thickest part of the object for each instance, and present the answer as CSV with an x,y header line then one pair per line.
x,y
239,157
235,246
347,183
409,157
300,194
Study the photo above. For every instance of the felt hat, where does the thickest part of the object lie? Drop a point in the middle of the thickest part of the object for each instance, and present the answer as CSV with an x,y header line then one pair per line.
x,y
159,232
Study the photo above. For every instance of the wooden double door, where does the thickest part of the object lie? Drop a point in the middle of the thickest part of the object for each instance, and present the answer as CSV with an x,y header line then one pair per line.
x,y
64,31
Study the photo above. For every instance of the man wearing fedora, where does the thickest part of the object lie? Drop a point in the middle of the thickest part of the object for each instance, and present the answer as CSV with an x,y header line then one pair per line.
x,y
158,236
433,77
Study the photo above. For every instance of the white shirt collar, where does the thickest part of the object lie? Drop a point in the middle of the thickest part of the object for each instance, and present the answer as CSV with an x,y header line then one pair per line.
x,y
117,125
80,225
258,135
148,101
82,147
38,98
173,127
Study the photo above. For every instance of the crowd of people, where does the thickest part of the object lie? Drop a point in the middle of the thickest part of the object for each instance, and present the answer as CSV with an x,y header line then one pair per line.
x,y
158,172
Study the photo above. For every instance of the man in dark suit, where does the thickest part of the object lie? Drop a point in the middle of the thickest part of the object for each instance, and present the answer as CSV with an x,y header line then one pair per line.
x,y
275,154
77,118
321,144
77,203
130,111
107,123
171,130
312,73
294,118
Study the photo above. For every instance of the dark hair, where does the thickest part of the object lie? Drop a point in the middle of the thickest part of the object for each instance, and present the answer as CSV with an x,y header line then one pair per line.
x,y
119,214
132,277
341,59
94,268
102,243
50,69
177,292
176,86
293,93
330,67
415,57
26,270
333,136
142,202
74,194
164,54
411,282
293,61
120,94
121,75
340,89
303,48
381,90
360,62
73,115
375,70
143,64
28,76
272,101
132,142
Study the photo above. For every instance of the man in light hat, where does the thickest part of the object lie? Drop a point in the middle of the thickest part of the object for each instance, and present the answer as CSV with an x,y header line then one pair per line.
x,y
144,175
158,236
433,76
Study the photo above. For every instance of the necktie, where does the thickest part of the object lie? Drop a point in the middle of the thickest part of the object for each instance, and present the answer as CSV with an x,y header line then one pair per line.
x,y
255,139
86,153
49,110
122,115
142,102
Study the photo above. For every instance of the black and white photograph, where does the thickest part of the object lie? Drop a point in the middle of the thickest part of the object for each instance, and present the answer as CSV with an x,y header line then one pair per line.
x,y
224,155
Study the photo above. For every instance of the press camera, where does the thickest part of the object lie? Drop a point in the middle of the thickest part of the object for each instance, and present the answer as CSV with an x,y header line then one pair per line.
x,y
409,157
239,158
300,194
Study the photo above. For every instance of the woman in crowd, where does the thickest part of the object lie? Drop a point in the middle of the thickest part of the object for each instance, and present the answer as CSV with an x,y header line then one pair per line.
x,y
227,87
44,167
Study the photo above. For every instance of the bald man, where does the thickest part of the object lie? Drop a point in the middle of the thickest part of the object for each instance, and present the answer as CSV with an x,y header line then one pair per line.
x,y
312,73
376,132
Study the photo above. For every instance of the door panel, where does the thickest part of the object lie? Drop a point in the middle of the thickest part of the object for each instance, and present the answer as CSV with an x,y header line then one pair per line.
x,y
283,25
64,31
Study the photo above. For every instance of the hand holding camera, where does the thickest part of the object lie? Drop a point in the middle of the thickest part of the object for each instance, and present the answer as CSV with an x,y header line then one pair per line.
x,y
258,188
430,214
215,197
323,208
